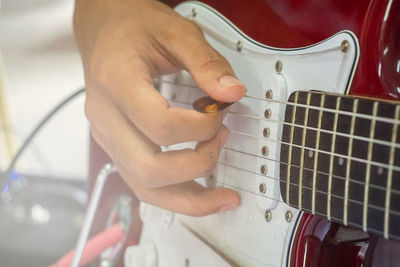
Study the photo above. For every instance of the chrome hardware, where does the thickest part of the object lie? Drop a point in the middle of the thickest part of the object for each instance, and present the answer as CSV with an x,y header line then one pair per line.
x,y
262,188
264,169
265,151
268,215
288,216
267,113
239,46
278,66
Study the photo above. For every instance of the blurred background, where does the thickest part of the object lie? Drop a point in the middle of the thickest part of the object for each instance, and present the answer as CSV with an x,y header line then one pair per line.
x,y
42,206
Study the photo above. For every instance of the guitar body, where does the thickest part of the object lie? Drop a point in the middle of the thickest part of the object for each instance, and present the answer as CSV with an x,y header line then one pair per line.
x,y
275,48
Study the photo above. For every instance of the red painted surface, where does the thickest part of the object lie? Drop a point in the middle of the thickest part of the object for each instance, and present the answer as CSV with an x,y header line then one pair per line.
x,y
297,23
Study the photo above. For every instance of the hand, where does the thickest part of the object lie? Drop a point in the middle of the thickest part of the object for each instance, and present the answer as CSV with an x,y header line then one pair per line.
x,y
124,45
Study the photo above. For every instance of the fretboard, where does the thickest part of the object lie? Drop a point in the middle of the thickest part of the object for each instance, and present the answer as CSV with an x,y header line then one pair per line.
x,y
340,158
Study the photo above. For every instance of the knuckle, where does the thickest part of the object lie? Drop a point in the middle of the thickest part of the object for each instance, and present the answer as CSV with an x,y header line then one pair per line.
x,y
209,59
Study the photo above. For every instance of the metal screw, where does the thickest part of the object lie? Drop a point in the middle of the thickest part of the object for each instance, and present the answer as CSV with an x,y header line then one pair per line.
x,y
187,262
288,216
194,12
263,169
262,188
278,66
239,46
267,113
268,94
266,132
264,151
268,216
344,46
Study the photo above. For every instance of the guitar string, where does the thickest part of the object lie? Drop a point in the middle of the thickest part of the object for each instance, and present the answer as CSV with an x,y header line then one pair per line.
x,y
378,164
381,165
327,110
397,192
306,210
397,213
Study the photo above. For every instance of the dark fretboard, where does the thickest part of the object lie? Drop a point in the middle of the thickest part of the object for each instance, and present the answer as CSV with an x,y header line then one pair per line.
x,y
340,158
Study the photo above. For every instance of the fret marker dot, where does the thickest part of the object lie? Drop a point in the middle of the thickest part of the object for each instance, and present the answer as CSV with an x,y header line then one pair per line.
x,y
310,153
340,161
380,170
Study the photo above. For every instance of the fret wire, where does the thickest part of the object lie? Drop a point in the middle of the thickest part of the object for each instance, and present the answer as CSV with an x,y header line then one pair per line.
x,y
396,213
368,169
397,192
348,165
378,164
314,181
341,112
390,175
361,138
290,149
331,158
303,143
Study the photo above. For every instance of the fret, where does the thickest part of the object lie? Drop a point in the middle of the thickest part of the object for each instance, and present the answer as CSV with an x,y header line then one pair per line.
x,y
368,171
390,175
348,165
335,174
290,149
328,208
303,142
316,156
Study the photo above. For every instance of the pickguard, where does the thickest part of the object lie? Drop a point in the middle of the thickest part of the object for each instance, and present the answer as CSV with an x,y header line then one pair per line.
x,y
259,231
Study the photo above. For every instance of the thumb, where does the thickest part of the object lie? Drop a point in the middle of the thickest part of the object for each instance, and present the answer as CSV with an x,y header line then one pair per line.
x,y
209,69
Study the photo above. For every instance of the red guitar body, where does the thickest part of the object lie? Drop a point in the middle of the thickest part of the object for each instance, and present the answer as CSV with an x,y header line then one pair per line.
x,y
298,23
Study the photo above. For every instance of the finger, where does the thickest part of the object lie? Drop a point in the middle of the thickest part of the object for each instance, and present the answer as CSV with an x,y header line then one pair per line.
x,y
210,70
131,88
128,147
188,198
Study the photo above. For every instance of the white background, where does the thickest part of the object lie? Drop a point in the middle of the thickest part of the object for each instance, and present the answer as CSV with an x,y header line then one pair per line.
x,y
42,66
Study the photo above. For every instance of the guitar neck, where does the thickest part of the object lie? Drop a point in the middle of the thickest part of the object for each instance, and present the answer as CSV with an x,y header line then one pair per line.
x,y
340,158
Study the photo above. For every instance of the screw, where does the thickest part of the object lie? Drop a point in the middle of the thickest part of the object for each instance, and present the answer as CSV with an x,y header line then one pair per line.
x,y
187,262
344,46
262,188
267,113
265,151
194,12
288,216
263,169
239,46
268,94
266,132
268,216
278,66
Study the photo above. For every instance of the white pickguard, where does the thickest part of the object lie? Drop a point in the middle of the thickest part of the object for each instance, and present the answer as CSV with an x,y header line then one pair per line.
x,y
242,235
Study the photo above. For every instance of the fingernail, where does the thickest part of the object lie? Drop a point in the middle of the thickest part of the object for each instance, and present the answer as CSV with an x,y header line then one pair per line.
x,y
227,207
228,80
224,136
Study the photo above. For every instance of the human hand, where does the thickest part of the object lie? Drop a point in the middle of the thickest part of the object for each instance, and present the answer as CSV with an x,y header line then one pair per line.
x,y
124,45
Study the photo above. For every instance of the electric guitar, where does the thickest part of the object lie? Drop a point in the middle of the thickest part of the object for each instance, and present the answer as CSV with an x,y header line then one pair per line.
x,y
314,155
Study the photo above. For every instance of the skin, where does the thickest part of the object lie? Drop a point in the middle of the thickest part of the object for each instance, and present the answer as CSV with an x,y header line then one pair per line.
x,y
124,44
